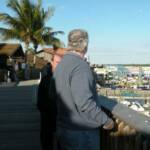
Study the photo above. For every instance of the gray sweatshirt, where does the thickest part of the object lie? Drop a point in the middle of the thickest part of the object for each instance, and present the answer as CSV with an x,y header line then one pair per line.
x,y
77,100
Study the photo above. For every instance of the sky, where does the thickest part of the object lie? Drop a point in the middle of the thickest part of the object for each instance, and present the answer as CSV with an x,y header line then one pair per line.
x,y
119,30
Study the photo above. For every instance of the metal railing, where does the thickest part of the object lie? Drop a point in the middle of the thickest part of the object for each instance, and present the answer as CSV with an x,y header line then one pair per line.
x,y
132,129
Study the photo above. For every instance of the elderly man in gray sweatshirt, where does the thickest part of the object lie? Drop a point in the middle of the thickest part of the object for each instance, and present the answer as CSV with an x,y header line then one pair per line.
x,y
79,113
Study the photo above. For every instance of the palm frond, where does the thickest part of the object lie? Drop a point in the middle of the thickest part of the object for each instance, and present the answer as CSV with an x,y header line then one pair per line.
x,y
28,24
56,33
8,34
14,6
11,21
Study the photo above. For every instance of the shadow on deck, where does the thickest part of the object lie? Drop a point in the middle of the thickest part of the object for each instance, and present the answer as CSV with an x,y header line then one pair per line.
x,y
19,119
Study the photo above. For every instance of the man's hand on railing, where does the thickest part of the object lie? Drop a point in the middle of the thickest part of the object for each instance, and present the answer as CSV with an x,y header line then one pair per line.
x,y
109,125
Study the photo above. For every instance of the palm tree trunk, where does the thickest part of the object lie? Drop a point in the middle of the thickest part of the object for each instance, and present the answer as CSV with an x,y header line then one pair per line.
x,y
35,48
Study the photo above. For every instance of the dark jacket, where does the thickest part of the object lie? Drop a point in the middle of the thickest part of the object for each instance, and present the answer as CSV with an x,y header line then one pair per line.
x,y
46,102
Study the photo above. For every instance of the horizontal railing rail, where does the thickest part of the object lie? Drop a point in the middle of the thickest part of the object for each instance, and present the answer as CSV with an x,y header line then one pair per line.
x,y
139,121
132,129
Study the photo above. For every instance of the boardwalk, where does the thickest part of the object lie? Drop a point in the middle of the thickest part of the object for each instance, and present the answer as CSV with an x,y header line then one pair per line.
x,y
19,119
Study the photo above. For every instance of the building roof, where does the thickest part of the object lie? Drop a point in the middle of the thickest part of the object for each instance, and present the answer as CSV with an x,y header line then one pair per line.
x,y
14,50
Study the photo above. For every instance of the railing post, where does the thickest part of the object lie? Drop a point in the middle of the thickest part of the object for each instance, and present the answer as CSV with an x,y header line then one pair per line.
x,y
132,130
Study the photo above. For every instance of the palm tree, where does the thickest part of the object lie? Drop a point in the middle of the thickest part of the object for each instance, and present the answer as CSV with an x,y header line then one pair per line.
x,y
28,24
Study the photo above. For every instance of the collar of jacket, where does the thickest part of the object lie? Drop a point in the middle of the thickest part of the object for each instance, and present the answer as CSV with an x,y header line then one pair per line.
x,y
72,52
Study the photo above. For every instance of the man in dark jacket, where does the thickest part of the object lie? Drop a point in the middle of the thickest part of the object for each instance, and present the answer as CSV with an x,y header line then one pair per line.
x,y
79,114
